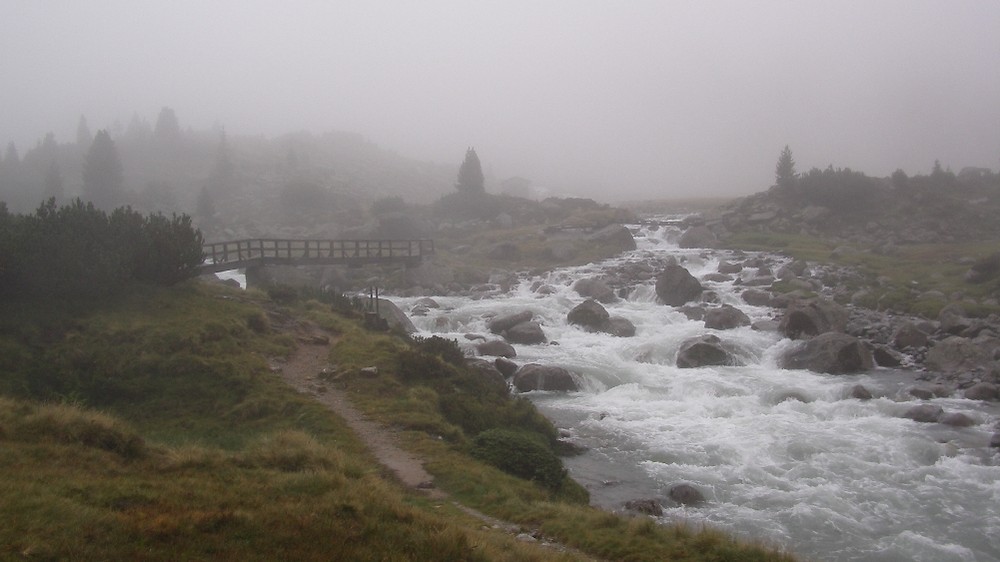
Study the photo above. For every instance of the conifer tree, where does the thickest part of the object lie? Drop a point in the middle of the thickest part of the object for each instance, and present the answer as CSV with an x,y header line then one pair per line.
x,y
470,174
83,135
102,173
784,171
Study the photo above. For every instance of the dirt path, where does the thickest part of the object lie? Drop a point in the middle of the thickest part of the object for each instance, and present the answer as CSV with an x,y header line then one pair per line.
x,y
302,371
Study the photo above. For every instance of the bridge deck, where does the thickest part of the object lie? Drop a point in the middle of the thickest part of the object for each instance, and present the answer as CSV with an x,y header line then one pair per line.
x,y
222,256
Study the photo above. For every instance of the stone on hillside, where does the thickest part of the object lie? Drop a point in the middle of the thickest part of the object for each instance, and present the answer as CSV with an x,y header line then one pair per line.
x,y
698,237
909,335
924,413
983,391
954,354
497,348
596,289
590,315
953,320
984,270
676,286
528,333
832,352
686,494
544,377
725,317
805,318
501,323
701,351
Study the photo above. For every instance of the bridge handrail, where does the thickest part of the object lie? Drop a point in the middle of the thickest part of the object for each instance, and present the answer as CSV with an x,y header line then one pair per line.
x,y
249,249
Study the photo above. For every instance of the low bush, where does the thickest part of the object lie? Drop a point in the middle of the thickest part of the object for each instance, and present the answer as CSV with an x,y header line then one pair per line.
x,y
521,454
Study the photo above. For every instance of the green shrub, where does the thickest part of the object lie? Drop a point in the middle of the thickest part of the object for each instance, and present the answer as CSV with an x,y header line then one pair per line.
x,y
446,349
522,454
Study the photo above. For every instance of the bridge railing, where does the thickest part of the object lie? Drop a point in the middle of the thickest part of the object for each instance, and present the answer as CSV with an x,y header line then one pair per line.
x,y
265,250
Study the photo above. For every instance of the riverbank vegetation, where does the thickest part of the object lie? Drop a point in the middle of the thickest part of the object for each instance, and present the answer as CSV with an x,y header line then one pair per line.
x,y
152,427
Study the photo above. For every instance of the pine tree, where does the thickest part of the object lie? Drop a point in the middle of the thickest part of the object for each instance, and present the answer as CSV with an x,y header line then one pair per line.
x,y
102,173
784,171
83,136
167,129
223,170
470,174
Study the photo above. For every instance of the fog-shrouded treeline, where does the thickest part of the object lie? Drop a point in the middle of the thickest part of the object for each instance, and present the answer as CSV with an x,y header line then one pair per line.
x,y
161,166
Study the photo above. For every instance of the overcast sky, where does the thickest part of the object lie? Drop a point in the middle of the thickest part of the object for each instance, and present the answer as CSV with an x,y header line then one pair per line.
x,y
606,99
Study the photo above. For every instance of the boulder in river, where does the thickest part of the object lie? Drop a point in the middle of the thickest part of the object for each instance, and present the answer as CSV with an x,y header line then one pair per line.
x,y
621,327
498,348
698,237
544,377
703,351
833,353
590,315
811,317
506,367
596,289
527,333
676,286
500,324
646,506
686,494
983,391
956,353
725,317
924,413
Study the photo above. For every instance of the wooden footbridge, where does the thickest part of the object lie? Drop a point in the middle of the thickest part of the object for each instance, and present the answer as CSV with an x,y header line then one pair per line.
x,y
222,256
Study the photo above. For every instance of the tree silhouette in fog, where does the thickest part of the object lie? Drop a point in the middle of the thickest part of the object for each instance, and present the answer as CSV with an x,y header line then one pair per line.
x,y
470,174
83,135
784,171
102,173
167,129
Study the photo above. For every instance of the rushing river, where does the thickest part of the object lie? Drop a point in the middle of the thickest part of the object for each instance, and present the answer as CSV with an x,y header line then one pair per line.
x,y
828,478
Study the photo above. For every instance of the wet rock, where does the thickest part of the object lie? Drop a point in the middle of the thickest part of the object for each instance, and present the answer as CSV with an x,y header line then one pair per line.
x,y
703,351
920,393
502,323
692,312
506,367
756,297
676,286
730,268
498,348
527,333
595,289
995,440
590,315
394,316
488,371
953,320
957,419
426,302
686,494
725,317
647,507
924,413
983,391
544,377
765,326
805,318
833,353
716,277
860,392
621,327
614,234
885,357
419,311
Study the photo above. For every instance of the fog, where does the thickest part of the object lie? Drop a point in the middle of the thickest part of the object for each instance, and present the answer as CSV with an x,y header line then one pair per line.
x,y
610,100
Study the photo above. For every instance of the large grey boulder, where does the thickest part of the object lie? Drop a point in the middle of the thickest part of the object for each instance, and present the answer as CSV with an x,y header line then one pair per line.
x,y
676,286
615,235
621,327
496,348
909,335
756,297
596,289
544,377
528,333
686,494
500,324
725,317
833,353
983,391
956,353
590,315
924,413
394,316
811,317
703,351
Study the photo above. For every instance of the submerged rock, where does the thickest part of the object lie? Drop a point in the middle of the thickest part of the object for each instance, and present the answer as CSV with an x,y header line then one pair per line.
x,y
703,351
686,494
833,353
725,317
924,413
544,377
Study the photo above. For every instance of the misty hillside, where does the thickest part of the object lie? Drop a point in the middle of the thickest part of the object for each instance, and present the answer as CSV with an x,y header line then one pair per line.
x,y
209,175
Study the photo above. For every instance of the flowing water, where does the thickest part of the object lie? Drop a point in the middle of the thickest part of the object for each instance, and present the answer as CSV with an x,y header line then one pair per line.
x,y
821,475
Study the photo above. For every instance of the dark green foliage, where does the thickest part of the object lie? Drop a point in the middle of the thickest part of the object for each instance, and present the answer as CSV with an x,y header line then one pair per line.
x,y
784,170
841,189
524,455
79,251
470,174
444,348
416,366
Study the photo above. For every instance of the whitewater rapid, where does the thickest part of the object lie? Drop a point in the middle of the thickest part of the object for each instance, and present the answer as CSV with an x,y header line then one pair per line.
x,y
782,456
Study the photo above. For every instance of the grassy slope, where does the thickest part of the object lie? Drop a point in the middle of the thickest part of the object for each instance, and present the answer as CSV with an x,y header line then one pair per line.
x,y
152,429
